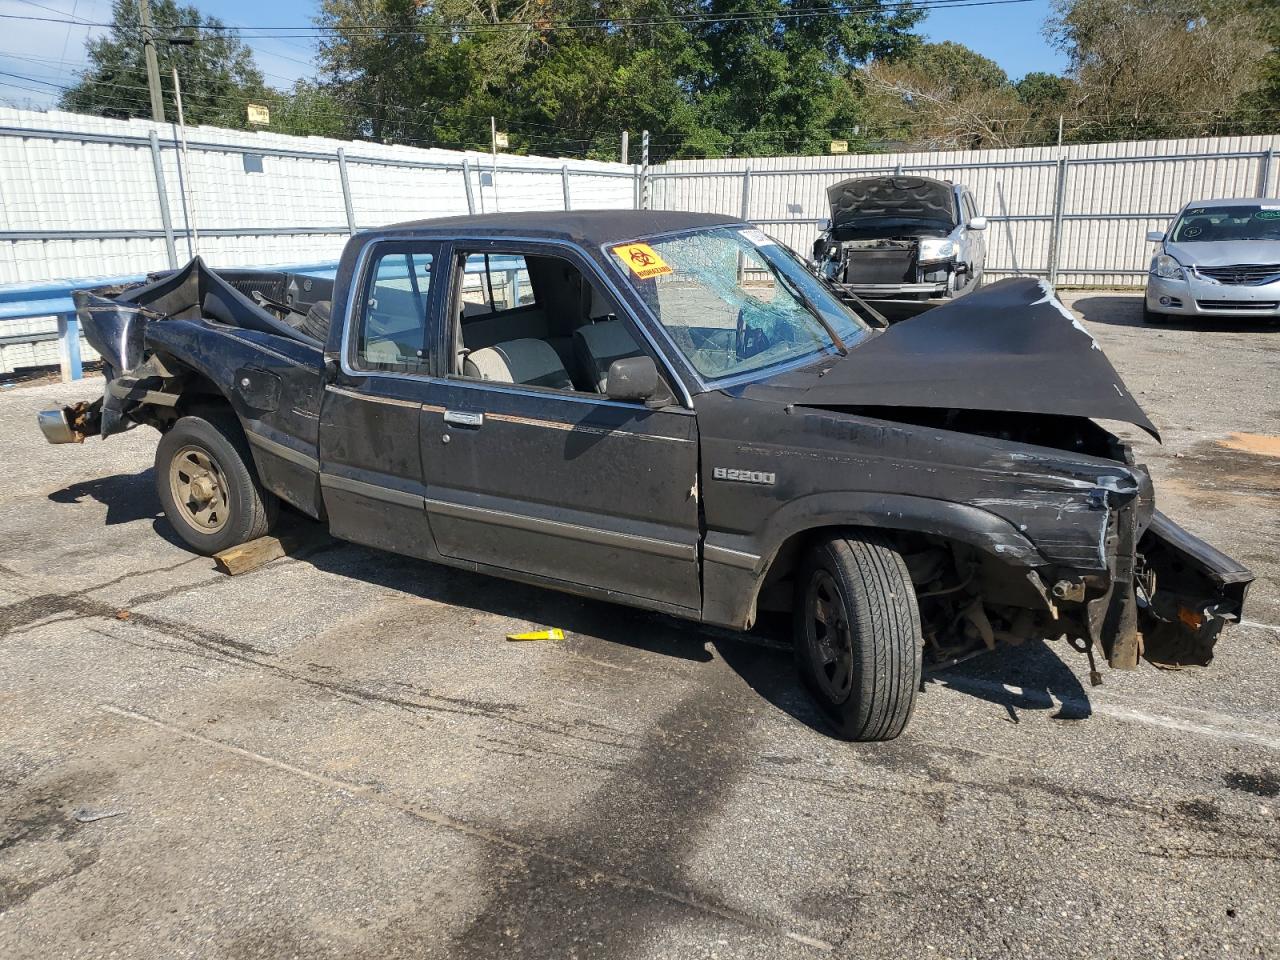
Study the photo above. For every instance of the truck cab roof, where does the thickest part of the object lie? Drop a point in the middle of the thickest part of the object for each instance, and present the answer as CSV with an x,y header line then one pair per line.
x,y
587,228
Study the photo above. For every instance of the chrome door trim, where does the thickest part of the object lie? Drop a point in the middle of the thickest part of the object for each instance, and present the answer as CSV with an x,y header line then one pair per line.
x,y
399,498
278,449
372,398
730,558
559,528
568,427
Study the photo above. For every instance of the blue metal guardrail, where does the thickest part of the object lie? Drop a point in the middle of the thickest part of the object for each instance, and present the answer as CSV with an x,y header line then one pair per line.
x,y
24,301
52,298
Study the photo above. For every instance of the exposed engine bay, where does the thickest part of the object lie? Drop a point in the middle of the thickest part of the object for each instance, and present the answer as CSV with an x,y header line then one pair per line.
x,y
898,238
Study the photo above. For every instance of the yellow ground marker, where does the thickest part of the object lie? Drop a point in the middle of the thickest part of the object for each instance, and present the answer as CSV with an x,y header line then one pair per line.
x,y
555,633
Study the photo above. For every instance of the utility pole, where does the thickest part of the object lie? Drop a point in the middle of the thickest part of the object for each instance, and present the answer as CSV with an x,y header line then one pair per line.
x,y
188,192
153,64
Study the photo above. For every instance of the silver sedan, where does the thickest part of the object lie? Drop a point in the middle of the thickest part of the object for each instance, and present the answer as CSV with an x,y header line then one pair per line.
x,y
1221,258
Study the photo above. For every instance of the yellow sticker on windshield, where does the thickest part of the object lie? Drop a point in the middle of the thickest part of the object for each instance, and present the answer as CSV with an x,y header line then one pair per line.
x,y
642,260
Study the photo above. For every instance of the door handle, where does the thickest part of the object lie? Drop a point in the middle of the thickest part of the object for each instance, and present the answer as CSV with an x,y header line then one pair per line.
x,y
463,418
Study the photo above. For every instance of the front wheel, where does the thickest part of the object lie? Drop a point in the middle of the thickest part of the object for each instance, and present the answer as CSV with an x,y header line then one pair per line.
x,y
208,485
857,635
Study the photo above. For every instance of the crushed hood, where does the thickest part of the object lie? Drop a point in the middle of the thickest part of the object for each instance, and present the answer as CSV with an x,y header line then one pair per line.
x,y
1011,346
905,198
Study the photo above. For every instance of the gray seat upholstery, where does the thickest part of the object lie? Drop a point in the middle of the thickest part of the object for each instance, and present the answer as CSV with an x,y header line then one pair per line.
x,y
531,362
489,329
597,345
600,308
486,330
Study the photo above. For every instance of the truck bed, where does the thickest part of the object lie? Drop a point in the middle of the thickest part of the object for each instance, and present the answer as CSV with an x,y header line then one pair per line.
x,y
197,332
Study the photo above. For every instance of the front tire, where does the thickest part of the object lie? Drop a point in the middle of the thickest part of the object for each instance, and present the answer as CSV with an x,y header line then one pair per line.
x,y
208,484
857,635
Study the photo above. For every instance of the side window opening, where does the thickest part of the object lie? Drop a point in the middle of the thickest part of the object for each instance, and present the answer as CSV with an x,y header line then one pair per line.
x,y
392,335
538,321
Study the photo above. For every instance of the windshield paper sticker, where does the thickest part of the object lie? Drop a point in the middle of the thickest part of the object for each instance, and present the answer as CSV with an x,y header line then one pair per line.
x,y
642,260
1267,214
757,237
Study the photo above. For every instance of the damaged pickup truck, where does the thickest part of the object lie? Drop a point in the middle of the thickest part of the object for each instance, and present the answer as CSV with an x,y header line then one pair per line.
x,y
902,243
599,403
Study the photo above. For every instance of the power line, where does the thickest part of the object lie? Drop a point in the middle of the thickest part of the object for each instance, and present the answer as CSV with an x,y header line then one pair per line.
x,y
314,31
285,97
74,19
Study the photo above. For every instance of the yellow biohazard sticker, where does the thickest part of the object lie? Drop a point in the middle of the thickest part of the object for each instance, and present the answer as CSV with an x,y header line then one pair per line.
x,y
642,260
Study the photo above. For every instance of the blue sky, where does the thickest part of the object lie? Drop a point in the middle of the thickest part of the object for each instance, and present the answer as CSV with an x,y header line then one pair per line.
x,y
35,57
1010,35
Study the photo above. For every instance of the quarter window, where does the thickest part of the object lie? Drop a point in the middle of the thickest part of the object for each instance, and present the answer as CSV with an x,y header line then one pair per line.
x,y
392,334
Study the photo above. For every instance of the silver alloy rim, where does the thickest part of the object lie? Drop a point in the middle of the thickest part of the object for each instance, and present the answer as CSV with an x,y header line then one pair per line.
x,y
199,489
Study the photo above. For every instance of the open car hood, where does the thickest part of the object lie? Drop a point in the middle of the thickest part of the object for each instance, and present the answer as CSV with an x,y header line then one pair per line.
x,y
905,198
1012,347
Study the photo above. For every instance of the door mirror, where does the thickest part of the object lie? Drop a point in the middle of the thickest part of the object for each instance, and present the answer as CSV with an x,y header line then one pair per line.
x,y
633,379
1155,236
978,223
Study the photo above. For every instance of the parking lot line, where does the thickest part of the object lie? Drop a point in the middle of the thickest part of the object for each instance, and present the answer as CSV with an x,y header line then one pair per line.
x,y
1220,726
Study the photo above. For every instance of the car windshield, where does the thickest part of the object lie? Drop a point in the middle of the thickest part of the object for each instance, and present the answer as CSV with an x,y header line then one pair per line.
x,y
733,301
1259,221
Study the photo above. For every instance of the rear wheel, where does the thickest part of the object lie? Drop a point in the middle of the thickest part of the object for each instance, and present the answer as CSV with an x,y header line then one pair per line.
x,y
208,484
857,635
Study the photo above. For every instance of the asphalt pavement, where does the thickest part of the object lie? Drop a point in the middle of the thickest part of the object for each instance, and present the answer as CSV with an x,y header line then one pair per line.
x,y
339,755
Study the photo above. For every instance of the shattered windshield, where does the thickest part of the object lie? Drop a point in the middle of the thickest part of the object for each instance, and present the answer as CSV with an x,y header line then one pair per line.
x,y
1235,222
733,301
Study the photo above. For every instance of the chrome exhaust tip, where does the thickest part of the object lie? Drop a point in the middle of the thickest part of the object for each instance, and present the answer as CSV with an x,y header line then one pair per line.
x,y
56,429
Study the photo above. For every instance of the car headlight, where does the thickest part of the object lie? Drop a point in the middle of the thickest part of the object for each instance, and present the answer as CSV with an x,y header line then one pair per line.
x,y
937,249
1167,268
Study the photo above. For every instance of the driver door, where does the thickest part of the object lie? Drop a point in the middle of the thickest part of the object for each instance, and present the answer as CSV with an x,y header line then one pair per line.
x,y
549,479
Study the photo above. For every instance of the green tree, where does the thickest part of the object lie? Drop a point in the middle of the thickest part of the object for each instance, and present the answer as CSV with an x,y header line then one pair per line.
x,y
217,70
308,109
1162,68
779,77
955,69
703,76
1045,99
945,96
1045,93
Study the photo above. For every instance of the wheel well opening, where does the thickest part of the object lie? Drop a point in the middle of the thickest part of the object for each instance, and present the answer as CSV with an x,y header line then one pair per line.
x,y
777,589
966,595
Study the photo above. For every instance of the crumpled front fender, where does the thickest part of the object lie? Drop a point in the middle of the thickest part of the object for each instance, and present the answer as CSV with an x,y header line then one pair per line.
x,y
1188,591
